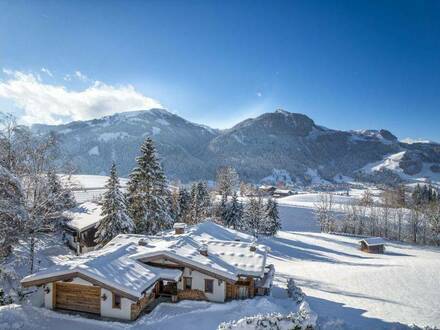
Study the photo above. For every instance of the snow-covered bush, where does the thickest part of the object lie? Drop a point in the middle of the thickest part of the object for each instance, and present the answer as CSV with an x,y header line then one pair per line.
x,y
304,319
294,292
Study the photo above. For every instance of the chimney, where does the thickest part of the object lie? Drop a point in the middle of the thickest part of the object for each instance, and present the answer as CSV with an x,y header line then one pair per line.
x,y
204,250
143,242
253,247
179,228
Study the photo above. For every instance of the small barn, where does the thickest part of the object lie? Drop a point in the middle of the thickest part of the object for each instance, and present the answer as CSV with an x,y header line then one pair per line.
x,y
283,193
373,245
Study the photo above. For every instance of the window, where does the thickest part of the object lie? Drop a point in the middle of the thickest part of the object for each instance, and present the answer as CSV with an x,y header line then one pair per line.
x,y
116,301
187,283
209,286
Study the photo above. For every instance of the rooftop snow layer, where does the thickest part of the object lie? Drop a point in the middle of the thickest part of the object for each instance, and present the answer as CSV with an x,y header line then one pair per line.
x,y
119,264
114,267
372,241
85,216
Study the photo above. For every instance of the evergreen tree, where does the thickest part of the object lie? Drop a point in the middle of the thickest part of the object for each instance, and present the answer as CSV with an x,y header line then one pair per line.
x,y
115,219
174,205
200,202
203,198
273,223
147,193
58,199
184,205
234,213
253,216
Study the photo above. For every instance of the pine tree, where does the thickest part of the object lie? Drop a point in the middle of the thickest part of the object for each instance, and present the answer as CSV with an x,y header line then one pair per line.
x,y
234,213
273,223
200,206
253,217
204,200
227,180
115,219
57,199
147,193
184,205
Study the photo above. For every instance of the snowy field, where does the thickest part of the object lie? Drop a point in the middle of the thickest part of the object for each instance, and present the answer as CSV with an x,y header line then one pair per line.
x,y
347,288
185,315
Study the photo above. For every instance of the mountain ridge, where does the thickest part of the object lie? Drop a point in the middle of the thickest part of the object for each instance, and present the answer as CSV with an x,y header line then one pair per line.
x,y
256,147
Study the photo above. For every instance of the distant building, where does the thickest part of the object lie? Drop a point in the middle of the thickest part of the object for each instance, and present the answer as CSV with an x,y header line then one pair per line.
x,y
80,230
373,245
267,190
283,193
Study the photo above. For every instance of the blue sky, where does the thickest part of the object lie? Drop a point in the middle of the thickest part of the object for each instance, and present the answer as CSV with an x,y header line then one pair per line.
x,y
346,64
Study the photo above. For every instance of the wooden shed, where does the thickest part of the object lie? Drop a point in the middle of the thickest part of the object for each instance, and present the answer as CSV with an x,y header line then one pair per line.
x,y
373,245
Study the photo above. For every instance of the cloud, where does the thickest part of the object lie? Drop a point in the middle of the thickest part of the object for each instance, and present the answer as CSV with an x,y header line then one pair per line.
x,y
47,71
54,104
81,76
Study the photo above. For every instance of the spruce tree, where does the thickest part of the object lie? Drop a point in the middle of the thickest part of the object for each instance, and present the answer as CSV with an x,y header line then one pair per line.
x,y
115,219
148,205
184,205
254,216
234,214
203,198
57,199
273,223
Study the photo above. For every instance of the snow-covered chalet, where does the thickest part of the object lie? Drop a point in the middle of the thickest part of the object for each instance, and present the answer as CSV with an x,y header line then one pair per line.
x,y
132,273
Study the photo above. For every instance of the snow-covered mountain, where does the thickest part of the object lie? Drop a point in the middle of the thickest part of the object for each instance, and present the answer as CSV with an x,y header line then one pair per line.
x,y
280,140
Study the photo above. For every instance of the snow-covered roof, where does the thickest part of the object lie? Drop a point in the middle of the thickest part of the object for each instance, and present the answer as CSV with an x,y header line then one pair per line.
x,y
120,265
372,241
85,216
283,191
112,266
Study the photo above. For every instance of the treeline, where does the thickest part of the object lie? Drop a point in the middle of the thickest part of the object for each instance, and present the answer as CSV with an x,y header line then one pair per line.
x,y
34,200
398,214
150,205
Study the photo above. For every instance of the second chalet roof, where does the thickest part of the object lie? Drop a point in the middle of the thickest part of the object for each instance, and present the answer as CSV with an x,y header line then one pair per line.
x,y
372,241
119,264
84,216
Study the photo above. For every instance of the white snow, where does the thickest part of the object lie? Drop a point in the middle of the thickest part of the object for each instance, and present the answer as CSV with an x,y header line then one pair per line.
x,y
88,181
391,162
363,291
315,177
105,137
162,122
118,263
94,151
278,176
372,241
412,141
347,288
185,315
156,130
84,216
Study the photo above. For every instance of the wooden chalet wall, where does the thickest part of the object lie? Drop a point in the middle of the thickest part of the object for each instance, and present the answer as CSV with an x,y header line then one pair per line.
x,y
232,290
